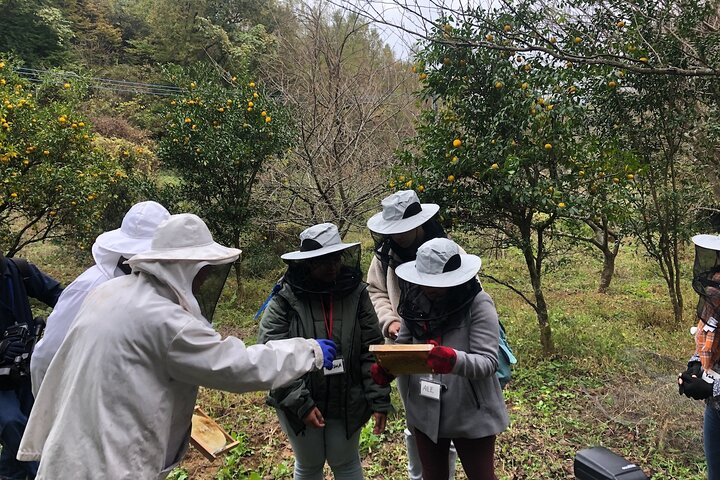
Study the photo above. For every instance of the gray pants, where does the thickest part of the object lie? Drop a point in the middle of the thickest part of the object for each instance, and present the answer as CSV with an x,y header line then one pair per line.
x,y
317,445
414,465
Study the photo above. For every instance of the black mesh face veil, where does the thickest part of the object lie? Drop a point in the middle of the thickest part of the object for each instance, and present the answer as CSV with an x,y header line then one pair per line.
x,y
207,287
706,282
391,254
428,317
335,273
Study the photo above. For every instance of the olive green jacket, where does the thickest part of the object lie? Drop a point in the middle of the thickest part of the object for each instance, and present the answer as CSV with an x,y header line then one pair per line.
x,y
356,328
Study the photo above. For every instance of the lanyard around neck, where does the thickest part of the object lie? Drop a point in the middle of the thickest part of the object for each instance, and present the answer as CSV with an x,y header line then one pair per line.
x,y
327,317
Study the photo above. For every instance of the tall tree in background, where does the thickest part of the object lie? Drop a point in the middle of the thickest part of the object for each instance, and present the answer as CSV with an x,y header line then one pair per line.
x,y
55,181
37,33
218,140
352,106
654,66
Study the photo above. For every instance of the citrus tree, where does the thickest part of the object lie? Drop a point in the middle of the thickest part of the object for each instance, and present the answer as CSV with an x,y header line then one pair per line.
x,y
507,146
661,60
55,183
218,140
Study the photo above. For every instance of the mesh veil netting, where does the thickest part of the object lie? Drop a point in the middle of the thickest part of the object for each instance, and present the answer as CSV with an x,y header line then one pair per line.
x,y
349,275
428,318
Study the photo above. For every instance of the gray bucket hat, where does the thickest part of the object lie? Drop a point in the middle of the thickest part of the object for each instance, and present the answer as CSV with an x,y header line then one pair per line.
x,y
439,263
402,211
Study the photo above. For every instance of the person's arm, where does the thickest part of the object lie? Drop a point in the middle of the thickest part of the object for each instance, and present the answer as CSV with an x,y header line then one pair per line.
x,y
389,320
295,396
40,285
378,396
199,356
481,359
58,324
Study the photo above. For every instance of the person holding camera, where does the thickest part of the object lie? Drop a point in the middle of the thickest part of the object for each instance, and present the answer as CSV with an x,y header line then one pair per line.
x,y
398,230
110,251
20,280
701,379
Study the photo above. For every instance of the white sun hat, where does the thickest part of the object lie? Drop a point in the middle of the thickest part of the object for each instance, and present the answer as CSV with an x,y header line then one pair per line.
x,y
439,263
711,242
318,240
136,231
402,211
185,237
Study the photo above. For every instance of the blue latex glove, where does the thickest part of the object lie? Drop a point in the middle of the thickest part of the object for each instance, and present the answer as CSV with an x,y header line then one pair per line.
x,y
329,350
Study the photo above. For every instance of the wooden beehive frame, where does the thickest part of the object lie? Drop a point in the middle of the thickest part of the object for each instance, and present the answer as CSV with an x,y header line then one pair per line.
x,y
200,441
403,359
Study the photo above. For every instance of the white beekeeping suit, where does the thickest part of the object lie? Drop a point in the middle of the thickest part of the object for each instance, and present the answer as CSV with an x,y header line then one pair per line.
x,y
118,398
133,236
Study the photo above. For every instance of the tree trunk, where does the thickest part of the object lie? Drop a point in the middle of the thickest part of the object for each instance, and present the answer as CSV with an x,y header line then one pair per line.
x,y
544,324
675,294
534,264
608,270
239,289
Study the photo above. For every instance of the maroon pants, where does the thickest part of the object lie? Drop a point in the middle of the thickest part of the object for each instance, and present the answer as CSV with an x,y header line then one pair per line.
x,y
477,456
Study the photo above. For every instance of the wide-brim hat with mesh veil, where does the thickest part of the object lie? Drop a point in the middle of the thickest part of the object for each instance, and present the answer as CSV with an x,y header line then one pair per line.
x,y
439,263
402,211
706,275
317,241
185,237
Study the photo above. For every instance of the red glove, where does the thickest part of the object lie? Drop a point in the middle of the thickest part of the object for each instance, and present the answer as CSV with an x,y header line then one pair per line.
x,y
441,359
380,376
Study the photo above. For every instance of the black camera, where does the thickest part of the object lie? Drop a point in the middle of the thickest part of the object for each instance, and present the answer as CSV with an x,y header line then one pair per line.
x,y
12,374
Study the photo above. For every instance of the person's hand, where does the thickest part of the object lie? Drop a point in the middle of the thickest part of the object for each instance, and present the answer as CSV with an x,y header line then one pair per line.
x,y
314,419
380,376
380,421
393,329
441,359
329,350
695,387
694,370
10,349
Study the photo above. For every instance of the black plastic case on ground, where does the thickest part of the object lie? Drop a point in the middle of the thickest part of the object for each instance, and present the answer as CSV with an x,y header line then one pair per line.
x,y
599,463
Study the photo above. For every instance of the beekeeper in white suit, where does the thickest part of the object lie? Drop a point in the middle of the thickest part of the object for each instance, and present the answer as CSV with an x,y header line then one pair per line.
x,y
110,251
118,398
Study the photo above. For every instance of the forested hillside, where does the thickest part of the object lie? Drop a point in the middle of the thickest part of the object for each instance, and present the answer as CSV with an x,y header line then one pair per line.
x,y
177,99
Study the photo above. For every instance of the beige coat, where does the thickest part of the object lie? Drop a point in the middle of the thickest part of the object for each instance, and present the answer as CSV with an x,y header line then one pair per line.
x,y
384,293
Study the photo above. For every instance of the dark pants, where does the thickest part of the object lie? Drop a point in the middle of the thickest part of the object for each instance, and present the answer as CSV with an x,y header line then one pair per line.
x,y
711,436
477,456
15,408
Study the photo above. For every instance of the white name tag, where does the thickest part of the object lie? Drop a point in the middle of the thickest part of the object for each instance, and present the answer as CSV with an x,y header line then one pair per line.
x,y
338,367
430,389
